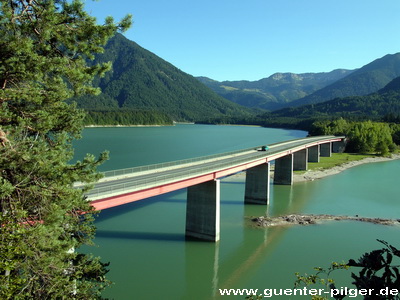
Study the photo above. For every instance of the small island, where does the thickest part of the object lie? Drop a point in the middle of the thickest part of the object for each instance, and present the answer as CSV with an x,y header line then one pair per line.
x,y
310,219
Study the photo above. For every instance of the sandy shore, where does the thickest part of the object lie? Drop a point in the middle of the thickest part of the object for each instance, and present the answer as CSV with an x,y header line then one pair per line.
x,y
318,174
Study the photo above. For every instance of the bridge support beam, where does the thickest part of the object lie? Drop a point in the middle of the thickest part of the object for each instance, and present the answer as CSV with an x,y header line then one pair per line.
x,y
313,154
284,170
326,149
257,185
338,147
300,162
203,211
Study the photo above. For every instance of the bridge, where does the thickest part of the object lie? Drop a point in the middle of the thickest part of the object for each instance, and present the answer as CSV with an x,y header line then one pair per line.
x,y
201,176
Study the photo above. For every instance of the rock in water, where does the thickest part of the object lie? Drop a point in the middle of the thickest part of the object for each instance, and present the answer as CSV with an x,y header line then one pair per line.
x,y
297,219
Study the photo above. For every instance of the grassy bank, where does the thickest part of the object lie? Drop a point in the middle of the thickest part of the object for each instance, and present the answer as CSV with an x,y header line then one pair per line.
x,y
336,159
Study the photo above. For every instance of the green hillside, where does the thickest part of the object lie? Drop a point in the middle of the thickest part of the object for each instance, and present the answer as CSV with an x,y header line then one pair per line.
x,y
366,80
382,105
275,91
141,81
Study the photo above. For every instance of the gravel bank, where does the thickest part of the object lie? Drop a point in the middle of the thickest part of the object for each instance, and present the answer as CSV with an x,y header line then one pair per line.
x,y
318,174
306,219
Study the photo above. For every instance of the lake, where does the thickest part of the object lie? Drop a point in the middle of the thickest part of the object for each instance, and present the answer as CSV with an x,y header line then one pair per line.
x,y
145,244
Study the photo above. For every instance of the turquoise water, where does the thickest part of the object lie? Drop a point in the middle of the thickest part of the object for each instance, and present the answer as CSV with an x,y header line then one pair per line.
x,y
145,244
136,146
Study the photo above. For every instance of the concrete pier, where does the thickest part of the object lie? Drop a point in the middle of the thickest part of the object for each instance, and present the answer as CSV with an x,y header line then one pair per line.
x,y
257,185
326,150
203,187
338,147
313,154
284,170
203,211
300,162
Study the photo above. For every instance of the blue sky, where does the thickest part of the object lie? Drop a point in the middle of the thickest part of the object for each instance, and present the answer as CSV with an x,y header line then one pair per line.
x,y
252,39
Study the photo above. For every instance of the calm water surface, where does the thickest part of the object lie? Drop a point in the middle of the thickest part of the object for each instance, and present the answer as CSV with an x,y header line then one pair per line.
x,y
144,241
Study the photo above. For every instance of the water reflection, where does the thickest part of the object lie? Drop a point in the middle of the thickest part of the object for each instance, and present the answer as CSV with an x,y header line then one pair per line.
x,y
206,272
149,236
156,236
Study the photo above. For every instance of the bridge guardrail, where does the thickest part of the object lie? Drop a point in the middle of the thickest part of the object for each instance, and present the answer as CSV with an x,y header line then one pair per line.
x,y
164,179
171,163
126,171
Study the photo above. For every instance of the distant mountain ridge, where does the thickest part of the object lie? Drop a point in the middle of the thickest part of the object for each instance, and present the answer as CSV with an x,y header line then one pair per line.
x,y
146,89
142,81
291,90
366,80
375,106
276,90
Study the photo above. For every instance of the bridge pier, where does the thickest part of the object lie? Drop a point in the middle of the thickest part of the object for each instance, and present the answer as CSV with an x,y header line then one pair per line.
x,y
300,162
313,154
203,211
338,147
257,185
326,149
203,187
284,170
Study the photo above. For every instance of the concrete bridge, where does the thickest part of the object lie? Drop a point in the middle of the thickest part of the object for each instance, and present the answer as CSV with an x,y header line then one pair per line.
x,y
201,176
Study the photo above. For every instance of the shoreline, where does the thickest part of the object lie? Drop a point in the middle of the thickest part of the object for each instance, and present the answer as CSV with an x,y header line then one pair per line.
x,y
139,125
160,125
312,175
310,219
109,126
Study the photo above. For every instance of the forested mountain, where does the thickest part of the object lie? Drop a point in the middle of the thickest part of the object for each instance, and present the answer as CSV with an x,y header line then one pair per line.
x,y
143,89
382,105
142,82
366,80
275,91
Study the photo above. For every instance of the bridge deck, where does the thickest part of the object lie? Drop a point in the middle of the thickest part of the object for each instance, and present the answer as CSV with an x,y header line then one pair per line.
x,y
146,182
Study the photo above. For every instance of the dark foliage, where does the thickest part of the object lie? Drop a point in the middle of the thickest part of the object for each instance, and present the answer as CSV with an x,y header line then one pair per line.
x,y
127,117
363,137
378,272
379,277
44,48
